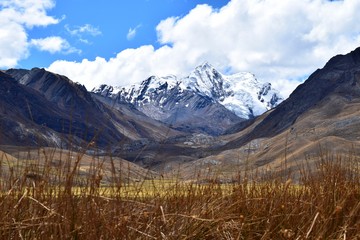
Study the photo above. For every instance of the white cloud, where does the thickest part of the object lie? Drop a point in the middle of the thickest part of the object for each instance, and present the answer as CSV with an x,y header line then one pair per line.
x,y
279,41
85,29
13,43
53,45
82,32
126,67
16,17
28,12
132,32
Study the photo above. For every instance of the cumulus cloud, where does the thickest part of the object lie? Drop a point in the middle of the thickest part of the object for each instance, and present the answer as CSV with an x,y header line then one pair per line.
x,y
132,32
278,41
13,43
125,68
28,12
16,17
53,45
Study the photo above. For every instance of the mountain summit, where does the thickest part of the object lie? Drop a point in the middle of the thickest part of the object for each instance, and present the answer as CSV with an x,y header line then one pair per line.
x,y
206,99
241,93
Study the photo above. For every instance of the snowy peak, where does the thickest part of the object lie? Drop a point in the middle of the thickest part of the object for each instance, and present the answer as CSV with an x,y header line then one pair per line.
x,y
207,75
241,93
207,80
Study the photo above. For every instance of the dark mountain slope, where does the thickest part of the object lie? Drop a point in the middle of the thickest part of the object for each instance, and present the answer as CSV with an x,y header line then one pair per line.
x,y
25,118
56,88
68,109
77,110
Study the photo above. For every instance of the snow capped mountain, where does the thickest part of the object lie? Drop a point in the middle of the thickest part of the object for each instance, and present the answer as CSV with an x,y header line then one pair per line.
x,y
240,93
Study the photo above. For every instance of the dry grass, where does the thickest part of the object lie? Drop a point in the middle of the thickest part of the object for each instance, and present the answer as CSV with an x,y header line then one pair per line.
x,y
45,201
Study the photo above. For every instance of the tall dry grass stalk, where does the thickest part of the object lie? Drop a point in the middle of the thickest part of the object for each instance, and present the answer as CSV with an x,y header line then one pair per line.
x,y
40,200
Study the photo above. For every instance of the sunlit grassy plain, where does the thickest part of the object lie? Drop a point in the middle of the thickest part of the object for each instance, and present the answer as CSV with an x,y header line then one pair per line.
x,y
68,199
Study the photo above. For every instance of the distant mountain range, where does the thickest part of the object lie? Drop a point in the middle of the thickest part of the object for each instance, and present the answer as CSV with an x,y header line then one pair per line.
x,y
40,108
205,101
187,125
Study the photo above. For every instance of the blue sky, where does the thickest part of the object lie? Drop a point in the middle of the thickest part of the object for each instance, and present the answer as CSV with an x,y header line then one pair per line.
x,y
123,42
116,25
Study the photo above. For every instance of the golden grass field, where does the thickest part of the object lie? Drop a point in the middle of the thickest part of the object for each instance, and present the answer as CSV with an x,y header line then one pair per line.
x,y
82,197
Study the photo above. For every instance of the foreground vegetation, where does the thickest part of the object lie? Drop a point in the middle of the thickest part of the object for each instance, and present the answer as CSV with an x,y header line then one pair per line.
x,y
42,201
